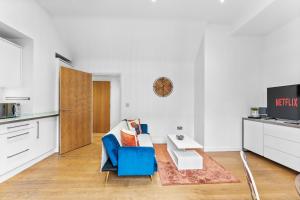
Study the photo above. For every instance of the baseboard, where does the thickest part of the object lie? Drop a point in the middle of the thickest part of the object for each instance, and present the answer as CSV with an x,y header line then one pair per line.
x,y
17,170
221,149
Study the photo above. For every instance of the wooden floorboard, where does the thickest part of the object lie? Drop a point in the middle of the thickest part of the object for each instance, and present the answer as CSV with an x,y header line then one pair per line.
x,y
75,176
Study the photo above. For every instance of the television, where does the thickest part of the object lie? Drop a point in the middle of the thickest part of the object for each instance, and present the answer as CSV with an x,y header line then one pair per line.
x,y
283,102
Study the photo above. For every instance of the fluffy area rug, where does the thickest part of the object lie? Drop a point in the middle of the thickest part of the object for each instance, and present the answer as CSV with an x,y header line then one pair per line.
x,y
212,172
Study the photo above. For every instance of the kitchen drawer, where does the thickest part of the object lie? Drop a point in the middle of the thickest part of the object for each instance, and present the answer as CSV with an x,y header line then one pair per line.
x,y
16,141
282,158
7,128
290,133
285,146
16,148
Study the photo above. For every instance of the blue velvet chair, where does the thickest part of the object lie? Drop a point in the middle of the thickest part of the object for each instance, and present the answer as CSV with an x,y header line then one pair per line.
x,y
128,161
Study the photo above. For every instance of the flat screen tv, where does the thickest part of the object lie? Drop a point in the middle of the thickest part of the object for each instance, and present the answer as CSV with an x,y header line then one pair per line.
x,y
283,102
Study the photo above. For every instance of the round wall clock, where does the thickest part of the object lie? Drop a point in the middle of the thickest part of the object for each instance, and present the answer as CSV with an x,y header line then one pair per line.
x,y
163,87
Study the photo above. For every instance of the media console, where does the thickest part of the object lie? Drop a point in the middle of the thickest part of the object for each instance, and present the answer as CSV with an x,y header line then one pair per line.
x,y
274,139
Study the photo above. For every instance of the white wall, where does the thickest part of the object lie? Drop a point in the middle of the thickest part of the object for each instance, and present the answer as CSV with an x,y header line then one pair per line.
x,y
281,57
162,114
199,75
115,96
232,86
141,51
27,17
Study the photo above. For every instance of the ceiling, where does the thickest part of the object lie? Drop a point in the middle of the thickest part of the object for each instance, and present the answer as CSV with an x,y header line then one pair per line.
x,y
211,11
140,30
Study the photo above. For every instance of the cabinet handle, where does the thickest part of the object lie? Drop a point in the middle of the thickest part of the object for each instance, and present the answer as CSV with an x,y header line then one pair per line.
x,y
10,127
11,156
38,130
17,135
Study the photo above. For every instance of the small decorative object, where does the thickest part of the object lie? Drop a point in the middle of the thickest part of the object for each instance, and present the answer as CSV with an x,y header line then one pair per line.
x,y
180,137
163,87
254,112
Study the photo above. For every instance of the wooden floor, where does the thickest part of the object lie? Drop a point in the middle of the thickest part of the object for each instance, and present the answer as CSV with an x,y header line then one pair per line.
x,y
75,176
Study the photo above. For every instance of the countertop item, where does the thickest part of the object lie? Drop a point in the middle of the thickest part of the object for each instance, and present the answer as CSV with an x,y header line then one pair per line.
x,y
287,123
29,117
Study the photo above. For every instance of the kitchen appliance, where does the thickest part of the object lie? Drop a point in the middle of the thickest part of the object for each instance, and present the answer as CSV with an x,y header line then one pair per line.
x,y
9,110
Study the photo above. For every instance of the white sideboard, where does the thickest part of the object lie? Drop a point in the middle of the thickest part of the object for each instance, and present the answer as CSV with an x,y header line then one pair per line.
x,y
275,140
10,64
24,143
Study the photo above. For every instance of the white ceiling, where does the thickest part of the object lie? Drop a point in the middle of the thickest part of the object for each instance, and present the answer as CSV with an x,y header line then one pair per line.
x,y
131,40
209,10
271,17
139,30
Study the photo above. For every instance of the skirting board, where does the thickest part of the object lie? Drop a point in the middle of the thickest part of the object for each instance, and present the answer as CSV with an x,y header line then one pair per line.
x,y
17,170
221,149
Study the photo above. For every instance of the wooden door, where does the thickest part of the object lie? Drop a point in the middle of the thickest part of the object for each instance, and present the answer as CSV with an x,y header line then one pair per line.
x,y
101,106
75,109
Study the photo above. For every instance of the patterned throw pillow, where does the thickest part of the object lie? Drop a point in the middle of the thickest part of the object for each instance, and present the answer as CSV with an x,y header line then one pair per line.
x,y
135,124
128,138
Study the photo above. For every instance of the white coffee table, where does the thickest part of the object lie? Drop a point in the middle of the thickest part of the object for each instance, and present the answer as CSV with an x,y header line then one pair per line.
x,y
183,152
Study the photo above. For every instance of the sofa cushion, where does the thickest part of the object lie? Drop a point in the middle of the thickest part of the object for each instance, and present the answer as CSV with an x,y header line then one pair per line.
x,y
128,138
145,140
134,124
144,128
112,146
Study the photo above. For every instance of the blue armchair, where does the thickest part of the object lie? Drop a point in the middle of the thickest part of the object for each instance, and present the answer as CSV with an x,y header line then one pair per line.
x,y
136,161
128,161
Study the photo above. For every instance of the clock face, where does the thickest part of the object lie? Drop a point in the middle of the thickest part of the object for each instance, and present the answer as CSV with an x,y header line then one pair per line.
x,y
163,87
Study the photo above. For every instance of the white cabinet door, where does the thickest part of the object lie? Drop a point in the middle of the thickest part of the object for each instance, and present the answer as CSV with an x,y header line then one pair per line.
x,y
45,139
253,137
10,64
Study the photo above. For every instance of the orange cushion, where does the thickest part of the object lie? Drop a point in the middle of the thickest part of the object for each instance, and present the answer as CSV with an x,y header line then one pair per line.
x,y
128,138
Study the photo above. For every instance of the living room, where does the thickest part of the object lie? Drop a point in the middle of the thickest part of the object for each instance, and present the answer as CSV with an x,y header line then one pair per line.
x,y
194,68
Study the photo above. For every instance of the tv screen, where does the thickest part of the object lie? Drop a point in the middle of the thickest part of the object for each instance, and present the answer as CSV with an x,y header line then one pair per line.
x,y
283,102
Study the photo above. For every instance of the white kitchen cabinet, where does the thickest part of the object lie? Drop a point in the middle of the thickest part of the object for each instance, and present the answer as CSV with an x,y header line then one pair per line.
x,y
254,137
25,143
45,139
16,145
10,64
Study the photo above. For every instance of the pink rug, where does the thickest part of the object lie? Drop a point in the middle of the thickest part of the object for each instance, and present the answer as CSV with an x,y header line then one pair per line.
x,y
211,173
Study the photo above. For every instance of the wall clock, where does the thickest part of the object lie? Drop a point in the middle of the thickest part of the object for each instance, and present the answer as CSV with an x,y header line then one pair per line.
x,y
163,87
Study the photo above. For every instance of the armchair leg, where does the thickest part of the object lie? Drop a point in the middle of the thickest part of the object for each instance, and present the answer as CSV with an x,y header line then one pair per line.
x,y
106,177
151,178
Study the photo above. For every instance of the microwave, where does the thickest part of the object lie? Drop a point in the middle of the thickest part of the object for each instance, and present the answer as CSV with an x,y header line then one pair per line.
x,y
9,110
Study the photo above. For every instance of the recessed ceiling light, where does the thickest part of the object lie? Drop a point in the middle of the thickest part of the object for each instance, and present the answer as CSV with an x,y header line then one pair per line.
x,y
222,1
154,1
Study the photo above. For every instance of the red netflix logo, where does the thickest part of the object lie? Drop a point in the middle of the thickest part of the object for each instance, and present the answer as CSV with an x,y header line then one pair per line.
x,y
286,102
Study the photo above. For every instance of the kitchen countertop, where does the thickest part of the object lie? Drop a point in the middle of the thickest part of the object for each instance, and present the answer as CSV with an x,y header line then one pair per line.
x,y
275,122
29,117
